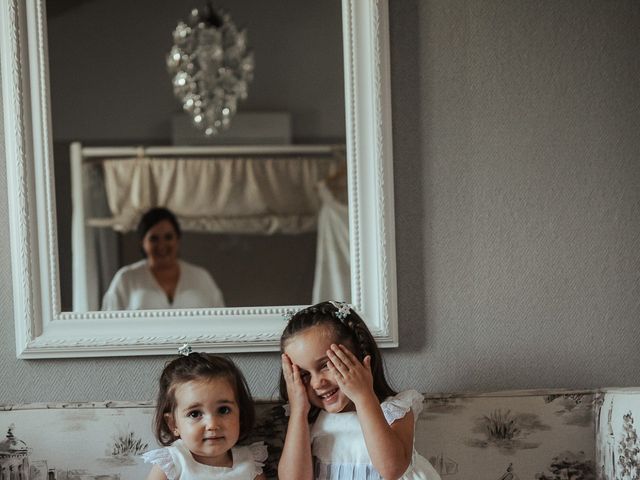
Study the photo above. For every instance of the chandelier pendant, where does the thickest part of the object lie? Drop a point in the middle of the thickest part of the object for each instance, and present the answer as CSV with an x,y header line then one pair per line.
x,y
211,67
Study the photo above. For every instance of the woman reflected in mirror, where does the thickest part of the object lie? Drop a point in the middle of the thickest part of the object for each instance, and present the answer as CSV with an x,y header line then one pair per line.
x,y
161,279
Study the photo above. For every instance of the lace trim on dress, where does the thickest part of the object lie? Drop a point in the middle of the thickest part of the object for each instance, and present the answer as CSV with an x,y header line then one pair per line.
x,y
162,458
395,408
259,453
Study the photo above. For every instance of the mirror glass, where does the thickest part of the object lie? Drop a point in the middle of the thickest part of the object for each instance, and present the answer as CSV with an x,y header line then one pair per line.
x,y
110,87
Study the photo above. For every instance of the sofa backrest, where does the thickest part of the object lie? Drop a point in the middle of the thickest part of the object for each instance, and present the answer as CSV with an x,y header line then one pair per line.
x,y
507,435
550,434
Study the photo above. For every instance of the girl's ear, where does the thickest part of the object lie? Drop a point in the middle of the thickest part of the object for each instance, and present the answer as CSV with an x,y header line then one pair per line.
x,y
171,423
367,362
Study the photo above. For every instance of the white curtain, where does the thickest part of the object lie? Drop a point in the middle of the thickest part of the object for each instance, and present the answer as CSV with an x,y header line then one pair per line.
x,y
220,195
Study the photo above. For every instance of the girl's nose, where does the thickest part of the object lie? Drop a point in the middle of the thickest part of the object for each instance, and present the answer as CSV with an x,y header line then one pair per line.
x,y
211,423
317,381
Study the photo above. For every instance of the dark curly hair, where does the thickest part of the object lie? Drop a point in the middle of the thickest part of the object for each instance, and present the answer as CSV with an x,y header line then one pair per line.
x,y
200,366
349,329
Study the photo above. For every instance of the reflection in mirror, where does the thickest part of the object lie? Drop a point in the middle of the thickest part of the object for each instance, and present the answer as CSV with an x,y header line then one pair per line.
x,y
269,225
38,204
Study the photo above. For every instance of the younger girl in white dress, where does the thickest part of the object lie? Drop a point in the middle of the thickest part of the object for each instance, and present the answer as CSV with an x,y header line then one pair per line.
x,y
204,408
345,421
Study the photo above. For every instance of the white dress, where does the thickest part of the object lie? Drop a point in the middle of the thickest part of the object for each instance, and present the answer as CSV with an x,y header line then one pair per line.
x,y
177,463
339,450
135,288
332,279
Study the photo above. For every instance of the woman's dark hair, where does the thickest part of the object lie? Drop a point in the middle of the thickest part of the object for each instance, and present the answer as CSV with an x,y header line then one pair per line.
x,y
152,217
200,366
349,329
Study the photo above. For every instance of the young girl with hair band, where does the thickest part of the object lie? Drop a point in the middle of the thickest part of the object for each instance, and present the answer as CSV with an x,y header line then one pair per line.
x,y
345,421
204,408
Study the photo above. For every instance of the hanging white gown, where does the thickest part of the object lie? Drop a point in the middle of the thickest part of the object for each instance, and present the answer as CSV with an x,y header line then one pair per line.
x,y
332,279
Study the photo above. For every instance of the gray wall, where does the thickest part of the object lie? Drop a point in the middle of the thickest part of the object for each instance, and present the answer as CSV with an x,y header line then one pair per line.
x,y
517,199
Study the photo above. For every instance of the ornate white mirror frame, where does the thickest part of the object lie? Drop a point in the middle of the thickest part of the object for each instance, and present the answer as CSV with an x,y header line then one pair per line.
x,y
43,331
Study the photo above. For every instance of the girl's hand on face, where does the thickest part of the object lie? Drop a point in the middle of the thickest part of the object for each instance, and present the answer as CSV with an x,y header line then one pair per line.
x,y
353,377
296,389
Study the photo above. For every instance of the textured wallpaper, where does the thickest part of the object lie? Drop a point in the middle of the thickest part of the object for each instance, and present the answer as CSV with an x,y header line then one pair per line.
x,y
517,204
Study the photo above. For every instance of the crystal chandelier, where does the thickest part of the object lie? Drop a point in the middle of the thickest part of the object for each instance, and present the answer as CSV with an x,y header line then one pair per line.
x,y
211,67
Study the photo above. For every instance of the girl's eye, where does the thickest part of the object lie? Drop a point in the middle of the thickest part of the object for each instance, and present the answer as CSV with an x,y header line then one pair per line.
x,y
325,366
224,410
168,237
194,414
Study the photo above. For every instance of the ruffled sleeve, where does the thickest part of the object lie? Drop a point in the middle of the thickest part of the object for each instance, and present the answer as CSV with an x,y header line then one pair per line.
x,y
162,458
259,454
395,408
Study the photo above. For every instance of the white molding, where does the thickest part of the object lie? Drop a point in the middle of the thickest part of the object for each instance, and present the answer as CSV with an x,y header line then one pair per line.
x,y
42,331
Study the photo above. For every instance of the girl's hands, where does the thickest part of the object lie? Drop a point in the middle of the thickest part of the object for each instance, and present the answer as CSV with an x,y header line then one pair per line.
x,y
352,376
296,389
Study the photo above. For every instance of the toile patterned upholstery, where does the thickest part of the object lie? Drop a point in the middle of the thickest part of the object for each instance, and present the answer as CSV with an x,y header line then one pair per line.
x,y
542,435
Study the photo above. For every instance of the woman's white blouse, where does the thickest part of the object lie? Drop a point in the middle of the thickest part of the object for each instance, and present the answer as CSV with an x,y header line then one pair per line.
x,y
339,449
177,463
135,288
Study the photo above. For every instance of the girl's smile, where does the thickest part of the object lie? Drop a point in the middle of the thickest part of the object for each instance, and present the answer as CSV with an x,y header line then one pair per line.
x,y
308,350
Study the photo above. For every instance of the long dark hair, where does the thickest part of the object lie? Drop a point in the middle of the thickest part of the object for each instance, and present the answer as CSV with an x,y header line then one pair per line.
x,y
348,328
200,366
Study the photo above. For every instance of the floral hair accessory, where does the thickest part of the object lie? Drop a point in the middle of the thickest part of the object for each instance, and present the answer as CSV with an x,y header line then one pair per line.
x,y
185,350
344,309
288,314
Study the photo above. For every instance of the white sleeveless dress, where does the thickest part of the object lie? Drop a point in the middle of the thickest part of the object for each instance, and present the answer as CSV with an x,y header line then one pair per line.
x,y
339,450
177,463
